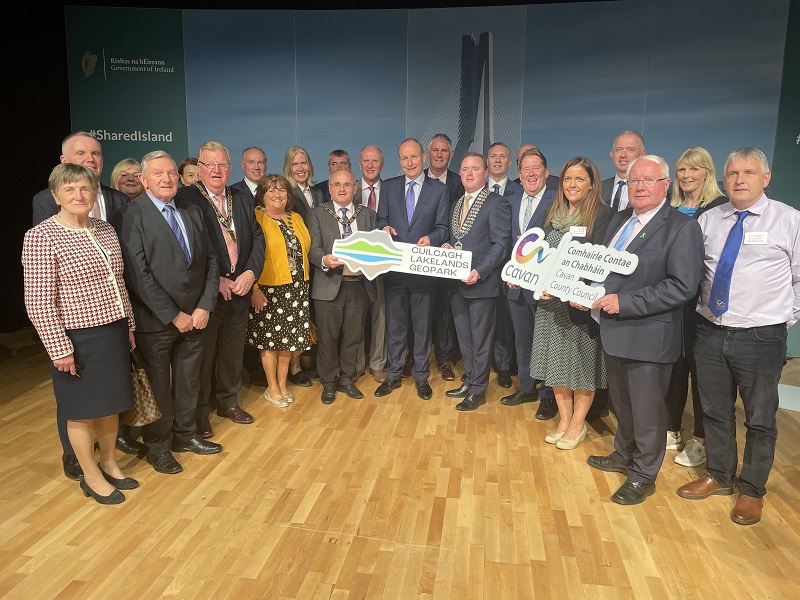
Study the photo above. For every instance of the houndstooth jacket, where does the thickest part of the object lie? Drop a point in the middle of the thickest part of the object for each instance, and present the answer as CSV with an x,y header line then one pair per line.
x,y
73,280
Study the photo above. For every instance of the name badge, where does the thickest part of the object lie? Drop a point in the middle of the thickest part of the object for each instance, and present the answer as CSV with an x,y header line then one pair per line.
x,y
577,231
755,237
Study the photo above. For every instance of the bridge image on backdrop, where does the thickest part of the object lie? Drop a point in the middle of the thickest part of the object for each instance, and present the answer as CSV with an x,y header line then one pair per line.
x,y
475,106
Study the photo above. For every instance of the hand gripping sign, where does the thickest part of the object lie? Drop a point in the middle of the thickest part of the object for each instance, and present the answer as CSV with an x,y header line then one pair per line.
x,y
374,252
535,266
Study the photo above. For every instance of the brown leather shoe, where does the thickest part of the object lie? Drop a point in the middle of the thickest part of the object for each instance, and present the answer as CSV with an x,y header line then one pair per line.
x,y
747,510
446,371
702,488
379,376
236,414
204,429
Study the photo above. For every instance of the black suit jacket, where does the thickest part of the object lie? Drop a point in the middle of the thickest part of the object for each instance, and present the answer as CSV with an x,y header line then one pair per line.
x,y
300,203
324,230
489,240
249,236
44,205
159,281
431,212
650,320
322,186
537,218
242,187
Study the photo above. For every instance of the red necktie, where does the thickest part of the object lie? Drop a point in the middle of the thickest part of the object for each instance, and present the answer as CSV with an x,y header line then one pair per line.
x,y
372,202
233,250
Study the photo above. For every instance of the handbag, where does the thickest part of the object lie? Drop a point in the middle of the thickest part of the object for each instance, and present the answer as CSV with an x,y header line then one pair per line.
x,y
145,408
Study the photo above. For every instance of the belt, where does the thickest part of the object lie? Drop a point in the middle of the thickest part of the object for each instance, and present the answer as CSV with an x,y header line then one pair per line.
x,y
728,328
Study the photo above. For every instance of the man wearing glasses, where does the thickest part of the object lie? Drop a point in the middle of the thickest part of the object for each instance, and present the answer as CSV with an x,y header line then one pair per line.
x,y
341,296
238,244
641,322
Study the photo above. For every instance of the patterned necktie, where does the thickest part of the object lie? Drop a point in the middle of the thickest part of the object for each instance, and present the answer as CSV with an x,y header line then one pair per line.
x,y
528,212
496,188
169,212
617,195
233,249
626,234
410,201
346,229
721,288
373,201
465,208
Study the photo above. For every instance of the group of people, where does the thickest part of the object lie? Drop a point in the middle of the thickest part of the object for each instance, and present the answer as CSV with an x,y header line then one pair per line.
x,y
206,278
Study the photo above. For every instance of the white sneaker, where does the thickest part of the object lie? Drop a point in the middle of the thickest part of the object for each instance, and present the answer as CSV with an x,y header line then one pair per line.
x,y
674,441
693,454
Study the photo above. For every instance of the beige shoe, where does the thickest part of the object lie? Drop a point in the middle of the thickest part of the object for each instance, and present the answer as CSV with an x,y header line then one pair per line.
x,y
693,454
280,401
674,441
563,444
552,437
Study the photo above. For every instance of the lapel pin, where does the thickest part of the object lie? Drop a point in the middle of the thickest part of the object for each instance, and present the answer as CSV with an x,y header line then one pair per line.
x,y
643,234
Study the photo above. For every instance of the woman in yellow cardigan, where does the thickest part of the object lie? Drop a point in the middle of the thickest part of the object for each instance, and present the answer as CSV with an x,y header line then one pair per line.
x,y
279,323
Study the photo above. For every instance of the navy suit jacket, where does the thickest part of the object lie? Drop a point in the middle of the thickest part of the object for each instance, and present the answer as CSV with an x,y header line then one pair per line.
x,y
512,187
489,240
537,218
431,212
44,205
322,186
159,281
455,189
650,321
242,187
249,237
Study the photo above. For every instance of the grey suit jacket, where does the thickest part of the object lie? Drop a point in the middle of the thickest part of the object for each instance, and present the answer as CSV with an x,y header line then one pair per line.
x,y
324,230
44,205
537,218
159,281
300,202
650,320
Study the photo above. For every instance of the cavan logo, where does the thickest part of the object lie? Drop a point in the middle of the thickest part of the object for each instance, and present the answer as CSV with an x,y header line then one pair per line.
x,y
371,252
538,251
88,63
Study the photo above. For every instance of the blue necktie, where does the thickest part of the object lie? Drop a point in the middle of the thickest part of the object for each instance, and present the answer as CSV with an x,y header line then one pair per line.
x,y
626,234
496,188
410,201
528,212
721,288
346,229
169,212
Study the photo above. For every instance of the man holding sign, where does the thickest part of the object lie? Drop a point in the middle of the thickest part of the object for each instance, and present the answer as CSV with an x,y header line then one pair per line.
x,y
480,222
641,321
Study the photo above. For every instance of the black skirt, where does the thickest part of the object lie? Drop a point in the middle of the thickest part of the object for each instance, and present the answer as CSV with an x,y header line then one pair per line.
x,y
104,387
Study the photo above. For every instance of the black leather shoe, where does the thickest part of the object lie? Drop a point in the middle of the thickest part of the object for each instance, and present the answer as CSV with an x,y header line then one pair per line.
x,y
126,483
204,429
164,463
471,402
312,374
596,414
547,409
72,469
504,379
606,463
115,497
424,390
130,446
387,387
299,378
633,492
197,445
459,392
518,398
328,393
351,390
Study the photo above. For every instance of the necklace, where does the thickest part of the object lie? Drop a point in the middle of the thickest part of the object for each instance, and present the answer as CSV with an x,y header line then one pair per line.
x,y
462,229
226,222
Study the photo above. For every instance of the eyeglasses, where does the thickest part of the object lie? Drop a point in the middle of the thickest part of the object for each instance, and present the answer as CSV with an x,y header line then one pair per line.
x,y
338,186
648,182
212,166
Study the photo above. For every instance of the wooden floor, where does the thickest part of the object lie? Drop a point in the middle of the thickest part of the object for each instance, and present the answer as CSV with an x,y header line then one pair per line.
x,y
381,498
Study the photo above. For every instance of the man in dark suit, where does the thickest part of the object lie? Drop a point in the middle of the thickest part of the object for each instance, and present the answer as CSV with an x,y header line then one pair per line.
x,y
173,281
445,342
481,223
413,210
337,161
498,162
368,193
254,165
552,180
341,297
628,146
528,210
80,148
641,323
238,247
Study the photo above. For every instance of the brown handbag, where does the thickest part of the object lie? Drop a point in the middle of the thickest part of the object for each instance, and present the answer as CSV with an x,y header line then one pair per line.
x,y
145,408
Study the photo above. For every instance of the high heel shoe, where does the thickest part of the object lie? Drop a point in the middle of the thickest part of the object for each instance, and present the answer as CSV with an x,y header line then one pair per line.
x,y
563,444
127,483
115,497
